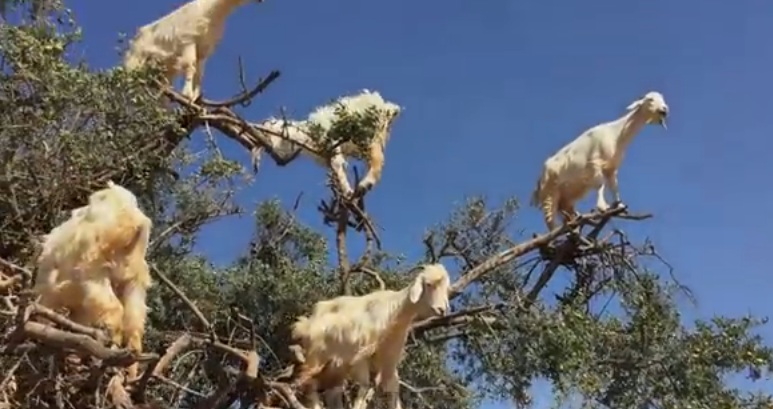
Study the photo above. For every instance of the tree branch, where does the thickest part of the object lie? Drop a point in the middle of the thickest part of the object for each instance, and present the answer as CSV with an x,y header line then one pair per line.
x,y
196,311
516,251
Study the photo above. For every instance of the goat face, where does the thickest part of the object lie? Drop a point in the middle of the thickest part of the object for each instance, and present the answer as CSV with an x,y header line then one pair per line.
x,y
431,291
654,106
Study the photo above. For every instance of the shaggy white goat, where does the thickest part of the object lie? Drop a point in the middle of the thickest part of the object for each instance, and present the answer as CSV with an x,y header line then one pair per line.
x,y
182,41
350,337
94,265
298,139
593,159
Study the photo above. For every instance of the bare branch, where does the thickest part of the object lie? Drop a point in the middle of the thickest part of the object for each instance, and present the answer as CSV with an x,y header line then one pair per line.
x,y
245,97
516,251
186,300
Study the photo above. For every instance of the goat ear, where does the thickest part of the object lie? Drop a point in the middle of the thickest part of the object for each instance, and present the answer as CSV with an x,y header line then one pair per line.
x,y
635,104
416,288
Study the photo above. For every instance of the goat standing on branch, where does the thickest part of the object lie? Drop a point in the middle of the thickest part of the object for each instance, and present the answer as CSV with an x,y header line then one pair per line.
x,y
349,337
182,41
94,265
334,123
592,160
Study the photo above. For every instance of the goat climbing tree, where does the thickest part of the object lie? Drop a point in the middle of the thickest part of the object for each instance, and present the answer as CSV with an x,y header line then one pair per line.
x,y
609,335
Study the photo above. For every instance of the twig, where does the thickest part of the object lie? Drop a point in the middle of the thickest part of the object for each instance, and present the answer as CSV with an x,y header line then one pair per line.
x,y
174,227
373,274
567,248
9,376
186,300
242,98
453,319
416,390
178,386
26,272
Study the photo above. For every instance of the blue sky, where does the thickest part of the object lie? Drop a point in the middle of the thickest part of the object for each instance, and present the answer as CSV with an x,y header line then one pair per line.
x,y
492,88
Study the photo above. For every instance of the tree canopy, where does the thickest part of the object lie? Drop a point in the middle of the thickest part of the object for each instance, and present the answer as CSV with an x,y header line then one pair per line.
x,y
612,337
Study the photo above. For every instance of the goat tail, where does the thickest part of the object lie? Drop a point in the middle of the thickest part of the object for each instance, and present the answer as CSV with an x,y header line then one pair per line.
x,y
536,195
545,197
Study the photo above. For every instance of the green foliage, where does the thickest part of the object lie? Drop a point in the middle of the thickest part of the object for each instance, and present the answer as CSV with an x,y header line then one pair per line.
x,y
622,346
358,128
66,132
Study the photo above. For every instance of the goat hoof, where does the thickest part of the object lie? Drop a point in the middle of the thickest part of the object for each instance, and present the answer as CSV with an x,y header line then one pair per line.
x,y
358,193
348,194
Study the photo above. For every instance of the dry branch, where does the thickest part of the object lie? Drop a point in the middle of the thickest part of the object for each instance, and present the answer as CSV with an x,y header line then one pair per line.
x,y
66,324
516,251
81,343
245,97
186,300
347,213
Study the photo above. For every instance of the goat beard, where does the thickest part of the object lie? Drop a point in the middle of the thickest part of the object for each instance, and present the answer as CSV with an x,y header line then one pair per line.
x,y
661,120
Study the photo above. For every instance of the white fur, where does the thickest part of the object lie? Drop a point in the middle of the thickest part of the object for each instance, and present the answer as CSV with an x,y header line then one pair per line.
x,y
324,116
359,335
592,160
182,41
94,265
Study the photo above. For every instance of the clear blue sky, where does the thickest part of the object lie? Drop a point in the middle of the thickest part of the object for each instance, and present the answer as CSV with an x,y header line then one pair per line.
x,y
493,87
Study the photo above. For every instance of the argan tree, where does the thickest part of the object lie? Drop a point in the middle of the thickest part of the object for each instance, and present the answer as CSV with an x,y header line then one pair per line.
x,y
611,338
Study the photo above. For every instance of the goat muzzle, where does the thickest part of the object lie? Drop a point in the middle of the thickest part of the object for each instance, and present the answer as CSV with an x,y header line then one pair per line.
x,y
662,115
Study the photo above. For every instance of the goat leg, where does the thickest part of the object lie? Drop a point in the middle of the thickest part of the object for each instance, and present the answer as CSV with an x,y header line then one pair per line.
x,y
338,165
375,168
188,63
610,178
601,203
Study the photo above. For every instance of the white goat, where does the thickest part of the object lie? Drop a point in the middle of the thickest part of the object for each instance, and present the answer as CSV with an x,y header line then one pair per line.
x,y
298,139
350,337
182,41
592,160
94,265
